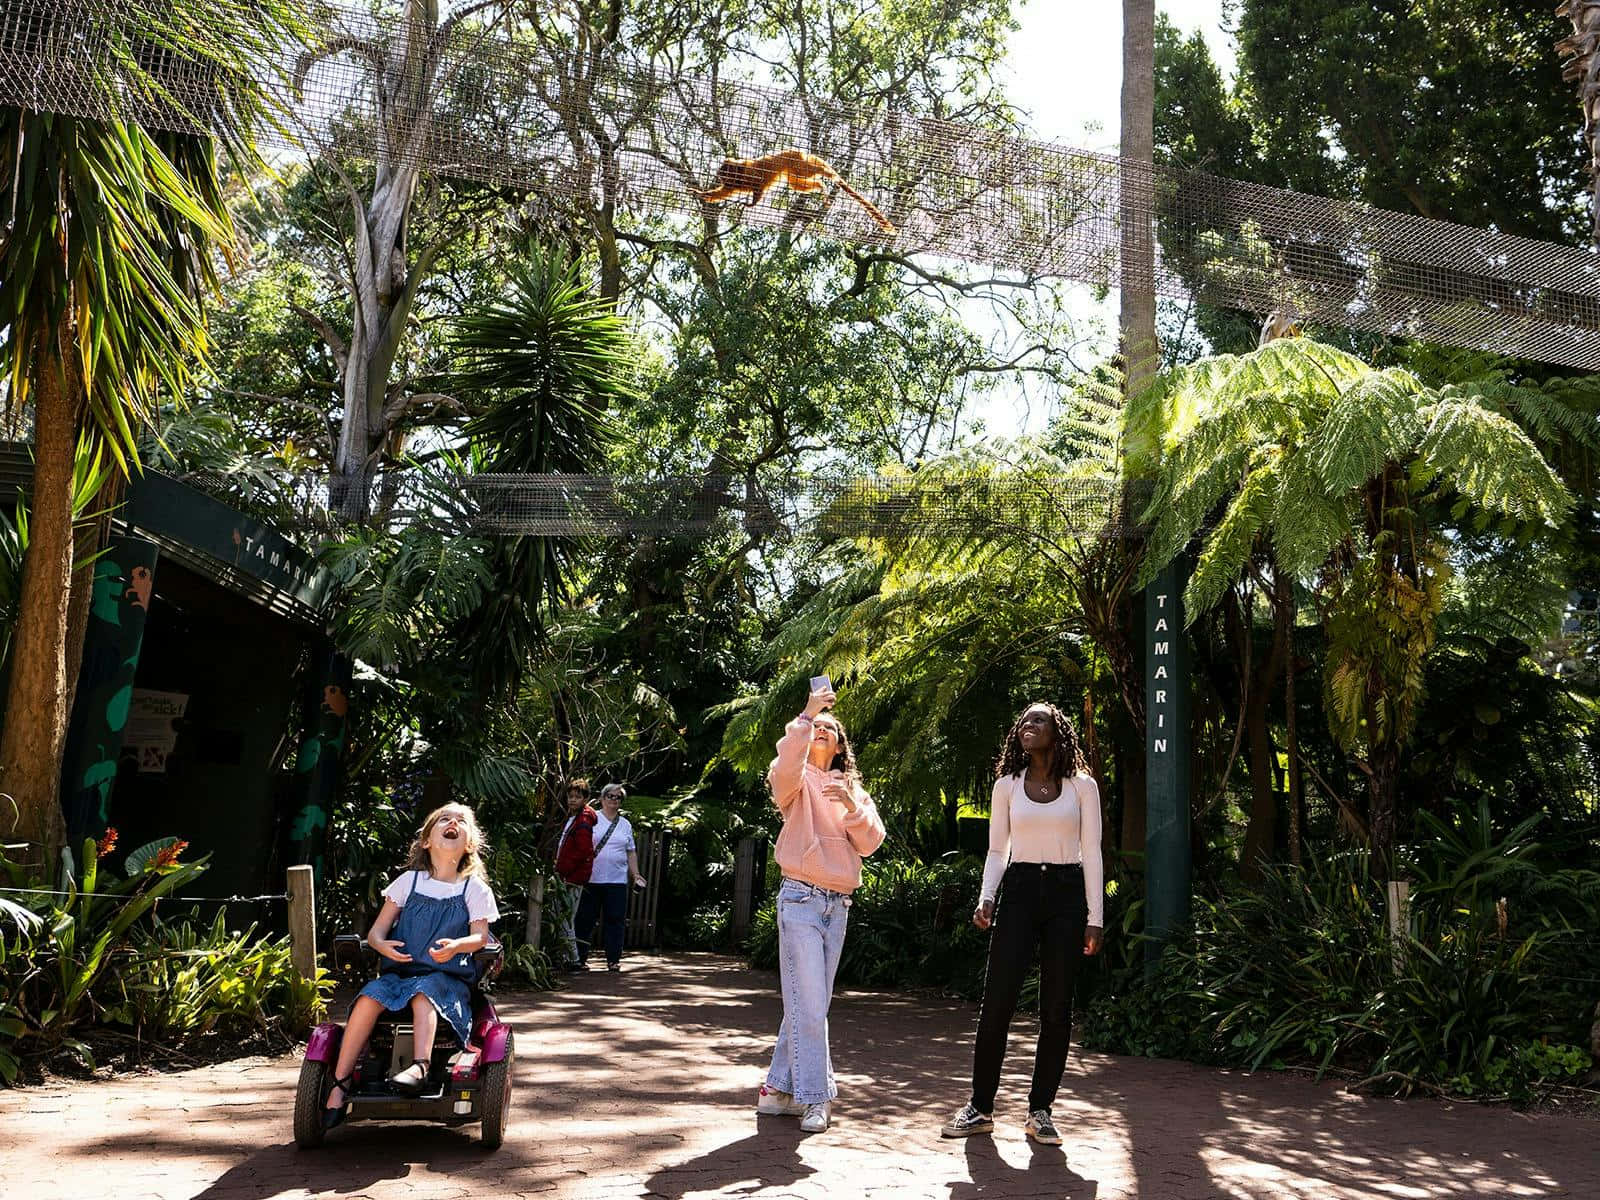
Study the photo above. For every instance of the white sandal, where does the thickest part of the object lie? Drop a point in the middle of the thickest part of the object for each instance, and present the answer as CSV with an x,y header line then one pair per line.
x,y
412,1078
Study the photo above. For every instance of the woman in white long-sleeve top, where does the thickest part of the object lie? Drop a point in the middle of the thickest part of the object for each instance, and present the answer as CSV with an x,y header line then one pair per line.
x,y
829,824
1045,866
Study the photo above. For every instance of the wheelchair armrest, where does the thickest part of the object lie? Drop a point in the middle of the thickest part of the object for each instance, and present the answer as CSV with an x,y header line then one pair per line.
x,y
352,953
489,961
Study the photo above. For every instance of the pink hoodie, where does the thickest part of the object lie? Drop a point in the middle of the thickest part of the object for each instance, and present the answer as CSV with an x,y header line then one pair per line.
x,y
820,842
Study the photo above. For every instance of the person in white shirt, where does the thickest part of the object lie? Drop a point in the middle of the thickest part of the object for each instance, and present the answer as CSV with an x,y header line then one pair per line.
x,y
616,861
1044,861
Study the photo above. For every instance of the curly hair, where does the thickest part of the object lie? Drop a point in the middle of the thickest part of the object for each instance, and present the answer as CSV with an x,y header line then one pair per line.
x,y
1068,760
472,858
844,755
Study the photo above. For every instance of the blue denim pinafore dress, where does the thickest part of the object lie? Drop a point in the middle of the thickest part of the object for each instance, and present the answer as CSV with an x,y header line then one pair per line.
x,y
421,923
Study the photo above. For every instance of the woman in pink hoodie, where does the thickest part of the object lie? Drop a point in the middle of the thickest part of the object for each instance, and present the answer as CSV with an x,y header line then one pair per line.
x,y
829,823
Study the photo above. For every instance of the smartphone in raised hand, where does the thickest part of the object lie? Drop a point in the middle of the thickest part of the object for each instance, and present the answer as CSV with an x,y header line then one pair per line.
x,y
821,683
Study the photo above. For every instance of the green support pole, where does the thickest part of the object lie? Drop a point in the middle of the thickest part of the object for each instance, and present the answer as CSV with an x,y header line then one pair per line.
x,y
318,767
124,576
1166,683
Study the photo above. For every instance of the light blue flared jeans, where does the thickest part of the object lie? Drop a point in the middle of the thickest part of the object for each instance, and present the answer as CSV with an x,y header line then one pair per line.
x,y
811,925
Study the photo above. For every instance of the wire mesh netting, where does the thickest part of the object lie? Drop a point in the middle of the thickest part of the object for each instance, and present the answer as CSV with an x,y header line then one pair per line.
x,y
971,504
471,96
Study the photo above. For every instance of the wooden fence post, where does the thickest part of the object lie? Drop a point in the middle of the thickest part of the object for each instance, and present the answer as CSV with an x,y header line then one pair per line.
x,y
535,908
303,920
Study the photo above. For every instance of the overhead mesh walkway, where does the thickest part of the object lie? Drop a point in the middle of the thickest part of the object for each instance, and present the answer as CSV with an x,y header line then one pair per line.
x,y
535,116
977,503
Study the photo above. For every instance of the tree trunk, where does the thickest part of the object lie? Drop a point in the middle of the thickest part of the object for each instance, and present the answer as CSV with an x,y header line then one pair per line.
x,y
1296,785
1382,781
1262,830
36,704
1140,349
383,279
1261,834
1137,335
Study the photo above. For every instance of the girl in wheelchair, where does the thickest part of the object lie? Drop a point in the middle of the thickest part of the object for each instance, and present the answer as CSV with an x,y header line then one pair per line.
x,y
435,914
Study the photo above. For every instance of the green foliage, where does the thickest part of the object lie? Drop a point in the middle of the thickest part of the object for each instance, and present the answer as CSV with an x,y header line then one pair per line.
x,y
910,926
528,967
98,956
993,590
182,979
549,365
1456,112
1308,429
110,221
1380,628
1297,971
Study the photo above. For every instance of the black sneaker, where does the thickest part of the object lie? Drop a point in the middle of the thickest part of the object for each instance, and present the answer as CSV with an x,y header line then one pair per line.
x,y
613,966
1041,1128
968,1122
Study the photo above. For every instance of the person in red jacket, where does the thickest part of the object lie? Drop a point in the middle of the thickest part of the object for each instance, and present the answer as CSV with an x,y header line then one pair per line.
x,y
829,823
574,860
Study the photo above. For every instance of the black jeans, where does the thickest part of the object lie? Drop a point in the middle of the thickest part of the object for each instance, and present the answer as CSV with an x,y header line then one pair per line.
x,y
1040,905
612,898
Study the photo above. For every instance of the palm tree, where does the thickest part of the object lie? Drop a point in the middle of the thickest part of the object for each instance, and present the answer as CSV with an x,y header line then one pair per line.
x,y
1337,468
109,235
549,365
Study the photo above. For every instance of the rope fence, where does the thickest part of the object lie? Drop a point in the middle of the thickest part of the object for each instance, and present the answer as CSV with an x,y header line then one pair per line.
x,y
81,895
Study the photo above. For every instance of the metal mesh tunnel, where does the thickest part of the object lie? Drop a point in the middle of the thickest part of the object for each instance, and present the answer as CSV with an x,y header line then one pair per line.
x,y
476,99
972,504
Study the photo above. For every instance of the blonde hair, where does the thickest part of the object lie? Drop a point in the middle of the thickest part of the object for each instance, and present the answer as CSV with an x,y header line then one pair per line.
x,y
471,858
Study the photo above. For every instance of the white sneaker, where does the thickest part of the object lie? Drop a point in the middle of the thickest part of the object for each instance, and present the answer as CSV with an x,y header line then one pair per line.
x,y
770,1102
816,1118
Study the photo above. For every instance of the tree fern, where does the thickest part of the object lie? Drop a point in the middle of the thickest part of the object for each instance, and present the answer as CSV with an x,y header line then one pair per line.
x,y
1490,461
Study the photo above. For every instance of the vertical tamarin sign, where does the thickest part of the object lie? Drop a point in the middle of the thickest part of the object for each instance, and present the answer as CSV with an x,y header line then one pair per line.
x,y
1166,691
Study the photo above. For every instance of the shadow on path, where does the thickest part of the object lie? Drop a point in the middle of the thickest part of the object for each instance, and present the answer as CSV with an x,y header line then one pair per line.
x,y
643,1083
768,1158
1047,1174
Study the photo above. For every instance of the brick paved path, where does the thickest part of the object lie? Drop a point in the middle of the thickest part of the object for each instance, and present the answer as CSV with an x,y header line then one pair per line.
x,y
643,1084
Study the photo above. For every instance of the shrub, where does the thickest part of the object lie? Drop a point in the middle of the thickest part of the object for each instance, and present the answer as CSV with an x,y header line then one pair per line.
x,y
182,979
95,955
1299,970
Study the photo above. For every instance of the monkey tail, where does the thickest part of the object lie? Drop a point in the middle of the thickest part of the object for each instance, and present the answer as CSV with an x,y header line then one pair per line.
x,y
873,210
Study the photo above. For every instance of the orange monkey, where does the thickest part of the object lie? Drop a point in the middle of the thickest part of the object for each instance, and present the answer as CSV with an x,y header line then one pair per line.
x,y
802,172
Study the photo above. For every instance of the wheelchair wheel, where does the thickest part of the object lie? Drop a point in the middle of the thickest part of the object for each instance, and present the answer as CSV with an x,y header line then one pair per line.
x,y
309,1097
497,1098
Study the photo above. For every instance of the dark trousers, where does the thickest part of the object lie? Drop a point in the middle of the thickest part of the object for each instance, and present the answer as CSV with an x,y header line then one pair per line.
x,y
610,899
1043,908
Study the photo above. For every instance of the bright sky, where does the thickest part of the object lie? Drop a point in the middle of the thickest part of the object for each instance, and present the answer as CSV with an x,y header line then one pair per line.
x,y
1066,74
1081,41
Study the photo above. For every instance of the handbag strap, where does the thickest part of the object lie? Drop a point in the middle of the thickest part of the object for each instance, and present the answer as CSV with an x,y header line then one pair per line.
x,y
606,837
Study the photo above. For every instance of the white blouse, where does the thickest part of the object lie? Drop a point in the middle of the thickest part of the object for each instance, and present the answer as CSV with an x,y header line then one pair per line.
x,y
1065,830
480,899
